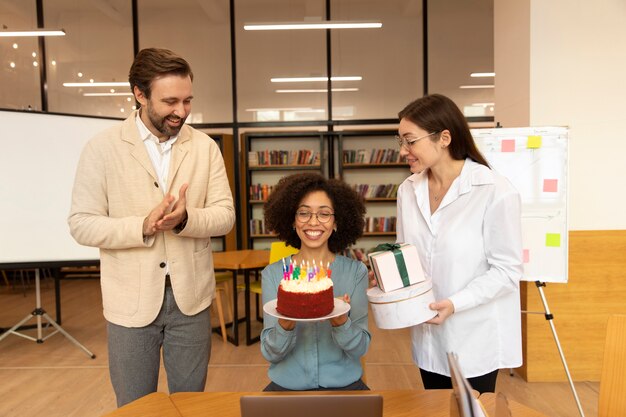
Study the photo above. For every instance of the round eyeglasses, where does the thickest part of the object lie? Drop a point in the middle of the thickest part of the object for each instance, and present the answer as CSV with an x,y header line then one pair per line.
x,y
305,216
408,141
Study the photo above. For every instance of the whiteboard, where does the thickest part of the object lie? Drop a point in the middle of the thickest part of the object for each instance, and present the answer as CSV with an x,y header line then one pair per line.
x,y
535,160
38,158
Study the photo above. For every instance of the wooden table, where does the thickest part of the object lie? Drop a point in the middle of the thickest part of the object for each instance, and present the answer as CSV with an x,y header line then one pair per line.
x,y
157,404
488,401
397,403
241,261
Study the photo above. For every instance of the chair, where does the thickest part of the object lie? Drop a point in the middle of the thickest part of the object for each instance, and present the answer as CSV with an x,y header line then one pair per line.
x,y
278,251
363,377
612,399
222,287
72,272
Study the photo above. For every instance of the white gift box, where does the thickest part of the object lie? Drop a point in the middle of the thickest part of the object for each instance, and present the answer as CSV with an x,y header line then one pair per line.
x,y
385,267
402,308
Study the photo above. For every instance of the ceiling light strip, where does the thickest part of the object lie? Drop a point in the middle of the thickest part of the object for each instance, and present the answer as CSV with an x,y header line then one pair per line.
x,y
314,79
300,109
482,74
35,32
477,86
106,94
317,90
99,84
311,25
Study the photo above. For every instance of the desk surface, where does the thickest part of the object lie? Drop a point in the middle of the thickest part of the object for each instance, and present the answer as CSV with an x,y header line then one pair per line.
x,y
434,403
488,401
157,404
241,259
399,403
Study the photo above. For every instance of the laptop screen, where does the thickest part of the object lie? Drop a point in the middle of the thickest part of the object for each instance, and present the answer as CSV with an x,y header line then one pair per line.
x,y
315,405
468,406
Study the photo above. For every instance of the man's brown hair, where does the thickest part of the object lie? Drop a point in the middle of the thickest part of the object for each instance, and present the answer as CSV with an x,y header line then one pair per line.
x,y
151,63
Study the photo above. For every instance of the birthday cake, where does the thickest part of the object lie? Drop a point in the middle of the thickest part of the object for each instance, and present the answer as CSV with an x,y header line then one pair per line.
x,y
307,294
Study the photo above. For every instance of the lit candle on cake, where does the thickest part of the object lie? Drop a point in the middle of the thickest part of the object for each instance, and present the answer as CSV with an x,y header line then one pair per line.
x,y
322,271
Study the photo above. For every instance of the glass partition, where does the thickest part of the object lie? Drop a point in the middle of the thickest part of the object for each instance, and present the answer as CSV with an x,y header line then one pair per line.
x,y
460,42
280,54
20,60
389,59
199,31
98,47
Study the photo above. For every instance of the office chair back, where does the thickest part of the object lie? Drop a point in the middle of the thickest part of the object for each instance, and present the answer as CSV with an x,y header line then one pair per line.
x,y
612,400
280,250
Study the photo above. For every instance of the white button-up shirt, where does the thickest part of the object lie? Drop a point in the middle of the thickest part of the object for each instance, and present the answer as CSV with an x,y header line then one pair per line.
x,y
160,154
471,248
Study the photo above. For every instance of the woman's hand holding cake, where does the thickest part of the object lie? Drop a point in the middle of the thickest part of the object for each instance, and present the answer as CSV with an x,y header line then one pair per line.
x,y
340,320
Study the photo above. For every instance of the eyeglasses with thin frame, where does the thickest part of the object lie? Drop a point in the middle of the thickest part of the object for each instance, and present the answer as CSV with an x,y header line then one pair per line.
x,y
407,142
304,216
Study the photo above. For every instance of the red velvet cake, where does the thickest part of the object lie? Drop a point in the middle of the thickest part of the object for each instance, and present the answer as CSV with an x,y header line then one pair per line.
x,y
304,299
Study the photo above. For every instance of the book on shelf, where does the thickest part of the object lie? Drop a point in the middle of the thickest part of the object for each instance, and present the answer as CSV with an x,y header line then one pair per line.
x,y
253,159
277,157
360,254
376,190
260,191
379,224
257,227
371,156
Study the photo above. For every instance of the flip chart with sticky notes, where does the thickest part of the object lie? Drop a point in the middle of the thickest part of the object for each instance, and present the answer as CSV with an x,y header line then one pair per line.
x,y
535,160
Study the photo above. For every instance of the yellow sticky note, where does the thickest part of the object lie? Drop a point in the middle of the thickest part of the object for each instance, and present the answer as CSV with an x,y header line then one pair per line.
x,y
553,240
533,142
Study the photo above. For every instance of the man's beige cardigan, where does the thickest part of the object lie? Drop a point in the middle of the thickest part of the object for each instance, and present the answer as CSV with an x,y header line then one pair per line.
x,y
115,189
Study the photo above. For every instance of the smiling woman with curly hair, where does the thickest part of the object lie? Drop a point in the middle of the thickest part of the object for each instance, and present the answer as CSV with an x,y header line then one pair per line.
x,y
321,217
283,203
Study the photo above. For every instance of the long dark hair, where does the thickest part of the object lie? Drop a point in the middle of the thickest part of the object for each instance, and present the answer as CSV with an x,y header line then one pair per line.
x,y
435,113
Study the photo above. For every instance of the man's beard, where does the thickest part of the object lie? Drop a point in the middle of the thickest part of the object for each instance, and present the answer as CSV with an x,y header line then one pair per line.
x,y
161,125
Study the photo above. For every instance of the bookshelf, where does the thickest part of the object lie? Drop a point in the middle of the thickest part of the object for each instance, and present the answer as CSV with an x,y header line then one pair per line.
x,y
268,156
370,161
227,148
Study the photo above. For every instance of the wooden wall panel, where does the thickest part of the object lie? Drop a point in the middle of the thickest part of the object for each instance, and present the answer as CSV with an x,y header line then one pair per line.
x,y
228,153
595,289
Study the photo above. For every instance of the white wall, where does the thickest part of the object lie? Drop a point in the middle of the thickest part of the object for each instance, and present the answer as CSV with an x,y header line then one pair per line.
x,y
577,78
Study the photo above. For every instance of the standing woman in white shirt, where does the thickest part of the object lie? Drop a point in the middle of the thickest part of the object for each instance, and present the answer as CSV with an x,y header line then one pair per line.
x,y
465,220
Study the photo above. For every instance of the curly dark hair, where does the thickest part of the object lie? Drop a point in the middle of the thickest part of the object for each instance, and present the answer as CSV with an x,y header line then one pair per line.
x,y
282,204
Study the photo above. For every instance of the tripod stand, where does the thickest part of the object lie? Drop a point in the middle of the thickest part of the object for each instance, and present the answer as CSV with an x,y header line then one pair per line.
x,y
549,317
39,312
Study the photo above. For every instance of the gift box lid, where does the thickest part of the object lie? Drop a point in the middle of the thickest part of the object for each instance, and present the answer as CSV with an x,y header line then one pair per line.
x,y
387,270
377,296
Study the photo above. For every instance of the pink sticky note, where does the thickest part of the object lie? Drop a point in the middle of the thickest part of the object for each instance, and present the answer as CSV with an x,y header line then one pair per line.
x,y
526,256
508,145
550,186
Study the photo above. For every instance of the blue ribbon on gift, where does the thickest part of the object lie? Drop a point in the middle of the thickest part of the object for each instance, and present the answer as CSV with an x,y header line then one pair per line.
x,y
397,253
